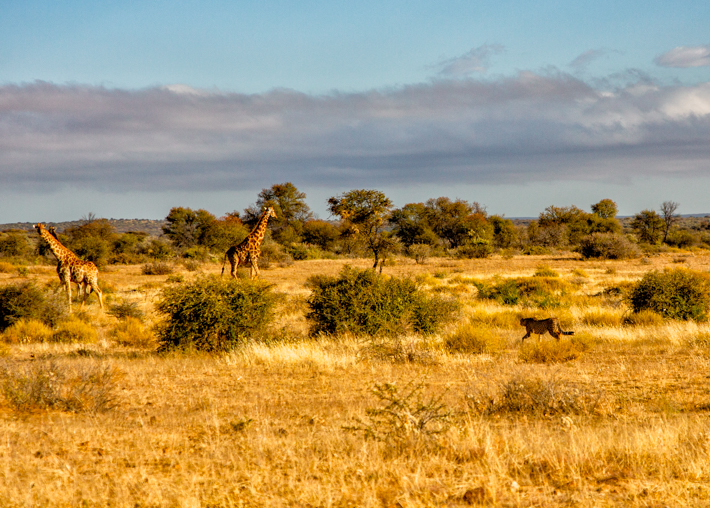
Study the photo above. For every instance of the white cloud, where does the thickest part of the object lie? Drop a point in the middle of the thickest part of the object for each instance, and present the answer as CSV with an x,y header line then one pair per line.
x,y
475,61
685,56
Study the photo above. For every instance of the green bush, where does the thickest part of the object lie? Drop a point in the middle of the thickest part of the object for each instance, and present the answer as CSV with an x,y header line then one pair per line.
x,y
607,246
363,302
27,301
674,294
213,314
541,291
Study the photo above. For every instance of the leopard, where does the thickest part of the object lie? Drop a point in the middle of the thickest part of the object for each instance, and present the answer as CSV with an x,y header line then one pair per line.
x,y
541,326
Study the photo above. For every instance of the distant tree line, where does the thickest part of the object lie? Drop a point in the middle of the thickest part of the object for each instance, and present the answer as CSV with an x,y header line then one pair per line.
x,y
366,223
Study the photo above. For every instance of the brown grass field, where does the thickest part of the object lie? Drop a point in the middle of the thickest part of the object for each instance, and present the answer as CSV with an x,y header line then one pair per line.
x,y
300,421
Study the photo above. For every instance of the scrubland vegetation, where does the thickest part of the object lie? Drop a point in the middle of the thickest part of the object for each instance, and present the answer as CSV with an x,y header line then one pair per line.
x,y
327,383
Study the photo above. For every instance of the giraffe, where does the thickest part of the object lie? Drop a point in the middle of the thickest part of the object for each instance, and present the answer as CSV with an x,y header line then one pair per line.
x,y
72,269
250,248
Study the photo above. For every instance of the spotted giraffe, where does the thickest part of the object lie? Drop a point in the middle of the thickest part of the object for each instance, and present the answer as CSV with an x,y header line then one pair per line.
x,y
250,248
72,269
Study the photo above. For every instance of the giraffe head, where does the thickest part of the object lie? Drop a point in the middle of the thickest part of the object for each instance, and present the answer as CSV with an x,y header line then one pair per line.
x,y
270,212
39,227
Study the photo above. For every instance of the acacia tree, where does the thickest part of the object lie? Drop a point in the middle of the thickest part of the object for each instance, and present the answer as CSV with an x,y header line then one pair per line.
x,y
188,228
365,213
291,209
648,226
668,209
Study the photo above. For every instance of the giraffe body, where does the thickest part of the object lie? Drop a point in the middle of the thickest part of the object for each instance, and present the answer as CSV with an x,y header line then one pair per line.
x,y
72,269
249,249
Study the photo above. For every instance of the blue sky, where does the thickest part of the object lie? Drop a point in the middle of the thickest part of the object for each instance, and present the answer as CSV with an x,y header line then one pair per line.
x,y
125,109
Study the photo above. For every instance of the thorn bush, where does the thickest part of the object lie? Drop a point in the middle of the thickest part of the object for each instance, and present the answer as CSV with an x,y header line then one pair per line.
x,y
365,303
674,294
213,314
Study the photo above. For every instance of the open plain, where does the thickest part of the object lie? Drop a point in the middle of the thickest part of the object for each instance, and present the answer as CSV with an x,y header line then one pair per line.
x,y
352,421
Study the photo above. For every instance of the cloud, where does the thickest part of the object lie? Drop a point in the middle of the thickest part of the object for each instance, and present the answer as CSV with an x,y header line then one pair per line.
x,y
525,128
475,61
583,61
685,56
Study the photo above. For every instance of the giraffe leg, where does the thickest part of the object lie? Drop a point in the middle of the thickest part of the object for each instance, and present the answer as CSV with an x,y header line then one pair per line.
x,y
235,264
254,268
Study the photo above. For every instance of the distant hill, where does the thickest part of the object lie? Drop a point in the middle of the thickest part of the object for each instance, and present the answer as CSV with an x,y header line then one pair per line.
x,y
152,227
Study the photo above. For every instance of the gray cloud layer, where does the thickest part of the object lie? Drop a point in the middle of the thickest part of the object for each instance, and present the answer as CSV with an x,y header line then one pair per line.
x,y
527,128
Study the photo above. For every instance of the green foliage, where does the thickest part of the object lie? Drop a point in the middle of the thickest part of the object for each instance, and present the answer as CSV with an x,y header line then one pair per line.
x,y
674,294
649,226
607,246
27,301
412,225
291,211
14,244
475,249
605,209
320,233
682,238
125,309
187,228
505,233
541,291
365,213
420,252
363,302
213,314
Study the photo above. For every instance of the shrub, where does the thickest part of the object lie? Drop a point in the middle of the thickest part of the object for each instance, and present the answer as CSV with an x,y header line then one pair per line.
x,y
73,330
213,314
545,271
539,290
125,309
607,246
43,386
25,331
420,252
674,294
404,416
6,267
26,300
473,339
132,332
535,397
363,302
474,250
157,268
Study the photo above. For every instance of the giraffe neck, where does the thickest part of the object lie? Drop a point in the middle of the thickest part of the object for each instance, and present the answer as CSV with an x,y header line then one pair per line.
x,y
59,250
260,228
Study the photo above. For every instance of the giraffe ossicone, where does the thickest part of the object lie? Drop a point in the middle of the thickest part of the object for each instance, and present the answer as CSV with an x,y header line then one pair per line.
x,y
71,268
250,248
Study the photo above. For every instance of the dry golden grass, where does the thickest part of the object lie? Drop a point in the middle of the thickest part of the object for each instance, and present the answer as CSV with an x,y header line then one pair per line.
x,y
625,423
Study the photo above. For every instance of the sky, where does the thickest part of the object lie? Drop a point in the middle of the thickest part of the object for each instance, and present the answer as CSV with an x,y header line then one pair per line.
x,y
125,109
